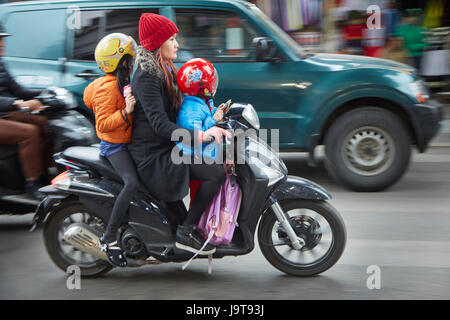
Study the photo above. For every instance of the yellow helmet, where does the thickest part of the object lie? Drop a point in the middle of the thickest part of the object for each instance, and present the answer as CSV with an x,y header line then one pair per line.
x,y
111,49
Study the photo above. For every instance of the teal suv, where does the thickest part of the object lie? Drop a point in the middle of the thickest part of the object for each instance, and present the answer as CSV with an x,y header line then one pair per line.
x,y
368,113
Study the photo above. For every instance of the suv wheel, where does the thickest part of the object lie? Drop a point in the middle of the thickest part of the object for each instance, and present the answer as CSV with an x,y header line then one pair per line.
x,y
367,149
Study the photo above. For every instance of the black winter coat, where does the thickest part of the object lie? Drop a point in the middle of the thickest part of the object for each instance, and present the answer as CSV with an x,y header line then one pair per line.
x,y
154,120
10,91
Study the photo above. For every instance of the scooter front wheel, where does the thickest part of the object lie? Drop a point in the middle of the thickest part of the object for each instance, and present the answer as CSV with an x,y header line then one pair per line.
x,y
316,222
62,253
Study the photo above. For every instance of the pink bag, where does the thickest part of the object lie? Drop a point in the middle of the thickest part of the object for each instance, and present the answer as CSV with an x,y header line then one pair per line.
x,y
218,222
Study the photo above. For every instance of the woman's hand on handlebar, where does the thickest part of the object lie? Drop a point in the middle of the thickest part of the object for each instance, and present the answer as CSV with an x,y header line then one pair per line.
x,y
215,132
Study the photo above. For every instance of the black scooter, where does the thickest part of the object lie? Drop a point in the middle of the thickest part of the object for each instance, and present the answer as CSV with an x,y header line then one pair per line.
x,y
299,233
70,128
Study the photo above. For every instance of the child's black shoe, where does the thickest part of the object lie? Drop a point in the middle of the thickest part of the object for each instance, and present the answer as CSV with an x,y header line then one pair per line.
x,y
113,252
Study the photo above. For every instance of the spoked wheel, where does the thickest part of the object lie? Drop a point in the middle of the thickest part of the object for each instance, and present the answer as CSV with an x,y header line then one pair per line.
x,y
64,254
317,223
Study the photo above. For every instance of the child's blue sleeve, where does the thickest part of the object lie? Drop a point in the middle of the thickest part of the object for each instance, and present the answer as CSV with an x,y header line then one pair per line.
x,y
209,120
189,118
208,123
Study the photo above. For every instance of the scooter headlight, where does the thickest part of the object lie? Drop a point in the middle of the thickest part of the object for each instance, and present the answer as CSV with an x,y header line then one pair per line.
x,y
264,161
250,115
269,173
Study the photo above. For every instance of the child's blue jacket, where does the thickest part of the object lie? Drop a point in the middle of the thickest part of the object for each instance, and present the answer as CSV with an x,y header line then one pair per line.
x,y
195,114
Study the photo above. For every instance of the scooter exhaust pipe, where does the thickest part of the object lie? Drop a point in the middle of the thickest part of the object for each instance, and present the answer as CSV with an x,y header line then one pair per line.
x,y
86,239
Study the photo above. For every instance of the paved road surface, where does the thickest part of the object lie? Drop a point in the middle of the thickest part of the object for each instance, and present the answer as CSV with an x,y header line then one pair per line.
x,y
404,231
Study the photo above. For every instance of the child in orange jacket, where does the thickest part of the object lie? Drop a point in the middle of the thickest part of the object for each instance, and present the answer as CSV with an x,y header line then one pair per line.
x,y
114,54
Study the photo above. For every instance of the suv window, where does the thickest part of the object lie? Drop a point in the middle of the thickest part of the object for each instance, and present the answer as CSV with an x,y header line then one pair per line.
x,y
217,36
32,38
97,24
88,35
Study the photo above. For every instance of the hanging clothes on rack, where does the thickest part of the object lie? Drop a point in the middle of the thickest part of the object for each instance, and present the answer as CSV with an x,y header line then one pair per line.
x,y
434,13
276,12
292,15
304,5
297,14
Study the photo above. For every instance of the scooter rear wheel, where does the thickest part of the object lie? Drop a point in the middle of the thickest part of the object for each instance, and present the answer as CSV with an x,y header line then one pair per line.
x,y
317,223
62,253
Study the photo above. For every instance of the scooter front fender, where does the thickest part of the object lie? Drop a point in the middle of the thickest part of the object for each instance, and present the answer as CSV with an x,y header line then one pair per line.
x,y
300,188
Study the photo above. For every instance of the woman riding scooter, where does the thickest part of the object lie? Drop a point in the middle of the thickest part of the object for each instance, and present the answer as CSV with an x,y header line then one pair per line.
x,y
158,101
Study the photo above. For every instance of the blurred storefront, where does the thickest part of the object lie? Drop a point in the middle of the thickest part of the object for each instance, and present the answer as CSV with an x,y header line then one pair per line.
x,y
314,22
415,32
301,19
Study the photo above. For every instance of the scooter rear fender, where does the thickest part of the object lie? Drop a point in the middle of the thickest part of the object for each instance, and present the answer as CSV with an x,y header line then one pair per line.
x,y
53,198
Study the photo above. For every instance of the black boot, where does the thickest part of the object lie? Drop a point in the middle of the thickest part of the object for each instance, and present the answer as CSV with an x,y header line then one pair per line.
x,y
32,187
45,179
189,239
113,252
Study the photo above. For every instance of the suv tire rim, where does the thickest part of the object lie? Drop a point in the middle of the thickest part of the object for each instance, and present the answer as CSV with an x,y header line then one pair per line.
x,y
368,151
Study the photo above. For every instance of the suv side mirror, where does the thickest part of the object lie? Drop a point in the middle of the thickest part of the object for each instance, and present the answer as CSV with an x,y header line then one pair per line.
x,y
265,50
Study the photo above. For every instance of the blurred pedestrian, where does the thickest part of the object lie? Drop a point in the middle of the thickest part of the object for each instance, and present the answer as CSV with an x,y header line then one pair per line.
x,y
413,36
31,133
353,32
374,40
394,50
392,18
114,55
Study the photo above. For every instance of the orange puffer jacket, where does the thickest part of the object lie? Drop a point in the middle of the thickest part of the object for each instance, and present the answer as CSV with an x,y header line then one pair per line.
x,y
104,98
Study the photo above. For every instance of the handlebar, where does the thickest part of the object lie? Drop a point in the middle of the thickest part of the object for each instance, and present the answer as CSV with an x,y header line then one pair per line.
x,y
211,139
27,110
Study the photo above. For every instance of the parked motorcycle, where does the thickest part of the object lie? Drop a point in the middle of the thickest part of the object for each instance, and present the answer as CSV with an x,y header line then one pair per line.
x,y
300,233
69,127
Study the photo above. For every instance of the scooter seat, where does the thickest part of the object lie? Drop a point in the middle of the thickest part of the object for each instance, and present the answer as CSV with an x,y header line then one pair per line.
x,y
90,156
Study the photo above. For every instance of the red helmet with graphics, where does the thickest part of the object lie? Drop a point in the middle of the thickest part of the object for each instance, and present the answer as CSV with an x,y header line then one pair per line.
x,y
198,77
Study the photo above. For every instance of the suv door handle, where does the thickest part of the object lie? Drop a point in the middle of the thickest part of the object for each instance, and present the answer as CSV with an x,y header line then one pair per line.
x,y
88,74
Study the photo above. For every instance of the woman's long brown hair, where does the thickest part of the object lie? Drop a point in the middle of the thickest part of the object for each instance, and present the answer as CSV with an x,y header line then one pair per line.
x,y
174,93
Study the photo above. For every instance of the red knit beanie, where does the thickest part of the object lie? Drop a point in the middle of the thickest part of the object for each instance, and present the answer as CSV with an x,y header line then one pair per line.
x,y
154,30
